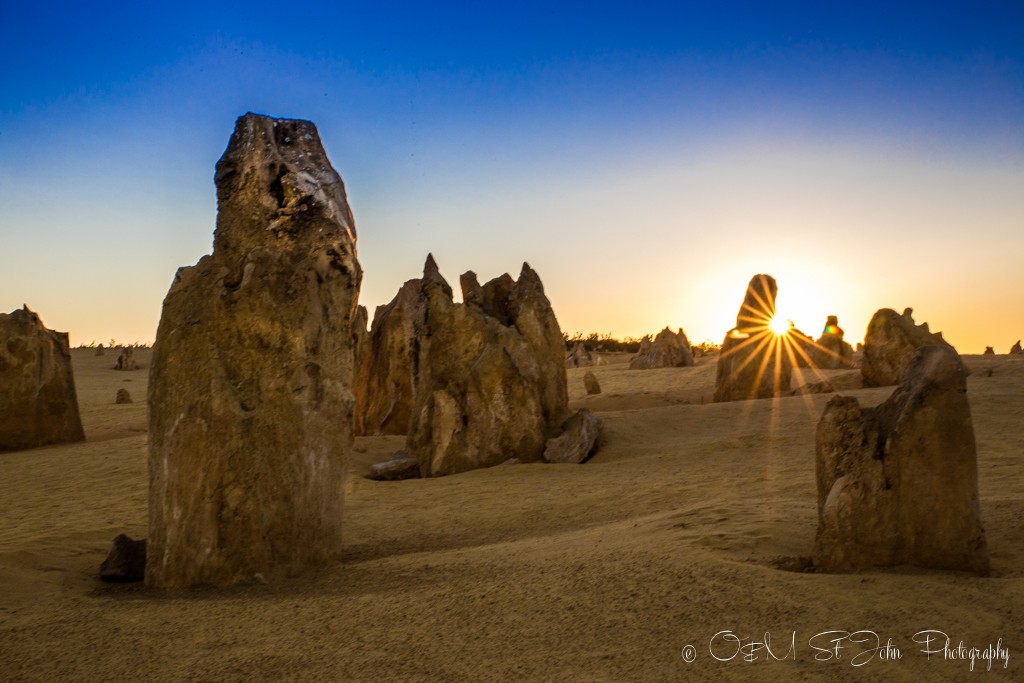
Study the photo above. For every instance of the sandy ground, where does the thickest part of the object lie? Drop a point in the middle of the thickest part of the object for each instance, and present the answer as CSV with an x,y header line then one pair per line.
x,y
687,523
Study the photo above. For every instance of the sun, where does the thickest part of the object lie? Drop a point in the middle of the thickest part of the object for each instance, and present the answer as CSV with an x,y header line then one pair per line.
x,y
780,325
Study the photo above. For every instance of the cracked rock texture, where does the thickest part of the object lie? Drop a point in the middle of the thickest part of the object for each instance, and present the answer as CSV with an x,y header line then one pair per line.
x,y
250,407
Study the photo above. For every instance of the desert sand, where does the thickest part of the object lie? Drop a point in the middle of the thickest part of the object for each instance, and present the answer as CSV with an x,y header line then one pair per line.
x,y
691,520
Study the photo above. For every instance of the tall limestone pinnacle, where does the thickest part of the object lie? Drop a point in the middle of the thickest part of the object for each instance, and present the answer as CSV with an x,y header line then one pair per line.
x,y
249,400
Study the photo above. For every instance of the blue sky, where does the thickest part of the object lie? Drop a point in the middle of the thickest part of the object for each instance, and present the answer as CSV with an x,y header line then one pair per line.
x,y
645,160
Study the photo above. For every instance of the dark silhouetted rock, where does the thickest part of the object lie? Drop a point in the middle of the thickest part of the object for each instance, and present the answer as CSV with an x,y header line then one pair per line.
x,y
400,466
989,351
123,396
889,344
753,362
580,438
125,562
579,357
830,352
668,350
250,407
898,484
126,359
100,350
489,373
1016,348
38,404
591,384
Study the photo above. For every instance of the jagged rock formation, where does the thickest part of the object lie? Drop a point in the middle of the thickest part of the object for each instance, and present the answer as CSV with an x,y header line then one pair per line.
x,y
384,377
1015,349
830,352
898,484
889,344
591,384
579,357
122,396
668,350
250,408
580,437
38,403
126,359
489,380
753,363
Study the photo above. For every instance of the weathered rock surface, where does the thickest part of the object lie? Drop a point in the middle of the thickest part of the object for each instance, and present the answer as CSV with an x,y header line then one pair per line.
x,y
126,359
1016,348
668,350
830,351
384,381
38,403
898,484
580,438
122,396
579,357
489,379
250,408
125,562
400,466
591,384
889,344
753,363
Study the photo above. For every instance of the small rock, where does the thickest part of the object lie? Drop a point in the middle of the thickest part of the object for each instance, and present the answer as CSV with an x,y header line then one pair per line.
x,y
123,396
591,383
100,350
401,466
126,359
125,562
512,461
824,387
989,351
1015,349
579,440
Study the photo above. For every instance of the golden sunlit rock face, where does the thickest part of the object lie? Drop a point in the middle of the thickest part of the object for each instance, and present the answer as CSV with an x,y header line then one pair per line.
x,y
898,483
250,411
754,361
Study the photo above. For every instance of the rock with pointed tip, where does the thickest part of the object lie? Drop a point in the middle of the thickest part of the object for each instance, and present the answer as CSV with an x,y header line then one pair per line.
x,y
898,483
38,403
1015,349
830,351
126,561
754,362
667,350
489,373
250,407
890,342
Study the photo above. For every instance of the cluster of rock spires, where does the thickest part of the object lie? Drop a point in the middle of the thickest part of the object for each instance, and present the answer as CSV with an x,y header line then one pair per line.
x,y
898,483
752,363
38,403
471,384
579,357
667,350
249,400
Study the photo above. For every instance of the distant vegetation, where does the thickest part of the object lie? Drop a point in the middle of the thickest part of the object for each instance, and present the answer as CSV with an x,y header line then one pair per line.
x,y
609,344
112,344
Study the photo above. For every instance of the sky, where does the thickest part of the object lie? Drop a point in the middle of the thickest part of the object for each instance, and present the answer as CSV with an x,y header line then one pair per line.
x,y
646,160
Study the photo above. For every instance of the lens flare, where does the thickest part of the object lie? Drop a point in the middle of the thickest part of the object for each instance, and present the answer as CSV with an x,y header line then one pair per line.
x,y
780,325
